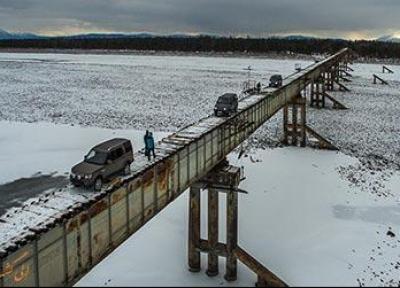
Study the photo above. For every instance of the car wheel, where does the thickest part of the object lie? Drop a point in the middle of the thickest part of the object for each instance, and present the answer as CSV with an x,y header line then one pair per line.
x,y
127,169
98,183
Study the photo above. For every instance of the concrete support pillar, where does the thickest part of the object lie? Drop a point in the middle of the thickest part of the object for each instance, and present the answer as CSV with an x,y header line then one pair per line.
x,y
194,229
231,235
212,232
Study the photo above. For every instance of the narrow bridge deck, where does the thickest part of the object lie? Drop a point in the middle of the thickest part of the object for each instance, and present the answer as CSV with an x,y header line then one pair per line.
x,y
84,226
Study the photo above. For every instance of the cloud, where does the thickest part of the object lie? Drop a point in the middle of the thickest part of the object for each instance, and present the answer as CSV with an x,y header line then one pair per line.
x,y
255,17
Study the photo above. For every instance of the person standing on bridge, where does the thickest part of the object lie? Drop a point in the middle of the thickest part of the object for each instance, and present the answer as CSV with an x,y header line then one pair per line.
x,y
149,145
258,87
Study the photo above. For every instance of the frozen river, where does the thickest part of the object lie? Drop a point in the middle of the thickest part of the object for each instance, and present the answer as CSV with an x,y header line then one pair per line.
x,y
122,91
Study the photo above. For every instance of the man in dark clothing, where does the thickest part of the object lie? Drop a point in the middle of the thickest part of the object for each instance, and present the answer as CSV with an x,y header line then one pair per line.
x,y
149,145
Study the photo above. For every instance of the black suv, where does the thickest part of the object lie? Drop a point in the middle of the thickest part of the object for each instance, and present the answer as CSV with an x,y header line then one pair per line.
x,y
226,105
102,162
275,81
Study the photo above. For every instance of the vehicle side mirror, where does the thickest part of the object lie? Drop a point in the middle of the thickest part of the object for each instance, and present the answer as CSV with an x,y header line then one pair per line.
x,y
86,157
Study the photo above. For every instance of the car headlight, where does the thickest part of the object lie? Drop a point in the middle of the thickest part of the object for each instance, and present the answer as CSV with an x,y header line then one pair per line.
x,y
89,176
224,109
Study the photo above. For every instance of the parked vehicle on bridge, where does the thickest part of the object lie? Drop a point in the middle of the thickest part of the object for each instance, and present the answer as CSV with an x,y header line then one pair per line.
x,y
102,162
275,81
226,105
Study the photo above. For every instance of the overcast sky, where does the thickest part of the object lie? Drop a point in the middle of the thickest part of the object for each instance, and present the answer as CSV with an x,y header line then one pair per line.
x,y
353,19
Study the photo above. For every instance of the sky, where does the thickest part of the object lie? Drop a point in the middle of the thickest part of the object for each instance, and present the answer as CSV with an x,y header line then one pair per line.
x,y
350,19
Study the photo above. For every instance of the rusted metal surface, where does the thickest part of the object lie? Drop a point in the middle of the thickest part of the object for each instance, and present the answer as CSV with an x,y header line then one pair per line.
x,y
265,276
219,248
194,229
212,231
118,216
99,223
148,193
51,258
18,268
78,256
231,235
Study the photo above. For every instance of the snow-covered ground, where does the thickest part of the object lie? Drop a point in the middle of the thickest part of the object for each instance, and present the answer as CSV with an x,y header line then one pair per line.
x,y
122,91
28,149
300,219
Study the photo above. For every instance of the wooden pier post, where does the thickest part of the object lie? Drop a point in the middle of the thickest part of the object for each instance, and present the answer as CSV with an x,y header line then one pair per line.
x,y
194,229
295,131
318,94
285,124
231,235
212,232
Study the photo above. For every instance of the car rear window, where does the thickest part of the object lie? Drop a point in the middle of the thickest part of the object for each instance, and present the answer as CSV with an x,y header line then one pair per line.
x,y
226,99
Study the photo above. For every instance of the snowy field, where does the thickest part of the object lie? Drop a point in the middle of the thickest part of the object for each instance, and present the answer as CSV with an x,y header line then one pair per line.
x,y
46,148
328,226
121,91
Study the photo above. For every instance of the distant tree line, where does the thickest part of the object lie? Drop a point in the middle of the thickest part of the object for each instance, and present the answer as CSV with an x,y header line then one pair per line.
x,y
368,49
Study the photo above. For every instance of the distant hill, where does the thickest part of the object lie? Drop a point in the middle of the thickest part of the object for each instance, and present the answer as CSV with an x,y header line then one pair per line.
x,y
124,35
296,37
4,35
389,38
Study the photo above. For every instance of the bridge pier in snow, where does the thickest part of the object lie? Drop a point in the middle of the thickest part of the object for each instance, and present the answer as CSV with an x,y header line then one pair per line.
x,y
329,79
320,86
317,95
224,179
295,128
294,122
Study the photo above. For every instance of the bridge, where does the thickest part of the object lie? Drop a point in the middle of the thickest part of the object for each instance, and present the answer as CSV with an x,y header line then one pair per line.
x,y
56,240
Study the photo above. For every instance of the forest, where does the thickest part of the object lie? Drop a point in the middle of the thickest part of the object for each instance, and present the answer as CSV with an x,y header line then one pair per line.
x,y
367,49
